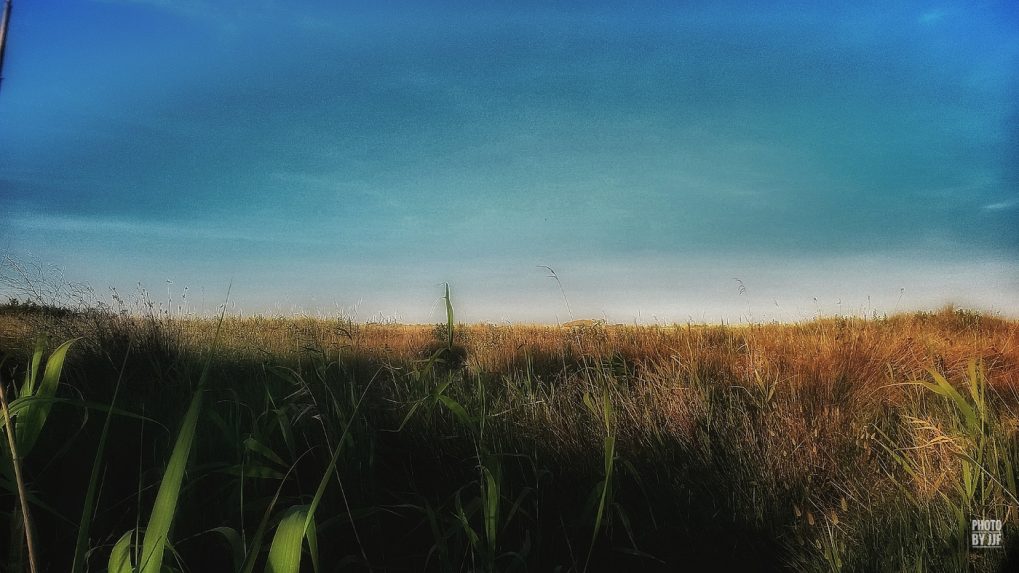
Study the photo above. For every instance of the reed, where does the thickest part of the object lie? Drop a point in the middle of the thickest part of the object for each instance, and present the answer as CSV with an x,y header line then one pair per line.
x,y
315,444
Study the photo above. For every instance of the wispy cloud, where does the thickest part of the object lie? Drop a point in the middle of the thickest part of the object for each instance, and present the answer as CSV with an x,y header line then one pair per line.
x,y
933,16
144,228
1002,205
221,11
184,7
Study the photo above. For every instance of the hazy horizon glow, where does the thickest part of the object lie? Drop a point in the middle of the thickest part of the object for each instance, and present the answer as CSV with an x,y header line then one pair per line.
x,y
350,157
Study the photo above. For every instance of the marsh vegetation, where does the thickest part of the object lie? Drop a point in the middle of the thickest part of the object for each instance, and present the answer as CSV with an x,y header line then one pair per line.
x,y
285,444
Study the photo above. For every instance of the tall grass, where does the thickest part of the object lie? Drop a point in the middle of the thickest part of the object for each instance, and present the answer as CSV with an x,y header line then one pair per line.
x,y
315,445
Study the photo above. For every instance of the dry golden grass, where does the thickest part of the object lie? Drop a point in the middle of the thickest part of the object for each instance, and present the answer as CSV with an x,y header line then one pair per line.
x,y
867,352
855,356
807,429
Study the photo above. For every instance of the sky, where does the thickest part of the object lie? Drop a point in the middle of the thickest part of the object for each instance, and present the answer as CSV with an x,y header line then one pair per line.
x,y
671,161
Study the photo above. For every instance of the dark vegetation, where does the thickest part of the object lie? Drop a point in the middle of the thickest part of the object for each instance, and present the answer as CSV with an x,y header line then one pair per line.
x,y
839,444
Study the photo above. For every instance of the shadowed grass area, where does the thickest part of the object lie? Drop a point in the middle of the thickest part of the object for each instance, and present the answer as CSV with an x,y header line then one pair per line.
x,y
838,444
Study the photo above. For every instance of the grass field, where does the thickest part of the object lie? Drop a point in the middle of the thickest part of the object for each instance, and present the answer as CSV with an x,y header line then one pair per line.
x,y
300,444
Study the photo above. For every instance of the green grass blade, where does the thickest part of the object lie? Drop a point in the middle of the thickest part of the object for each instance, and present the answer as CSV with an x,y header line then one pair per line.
x,y
233,539
886,444
410,413
120,557
609,455
974,382
258,447
85,524
457,410
285,551
165,506
607,414
28,388
449,319
29,424
589,403
256,540
335,459
491,496
299,521
465,522
311,534
602,498
26,403
970,417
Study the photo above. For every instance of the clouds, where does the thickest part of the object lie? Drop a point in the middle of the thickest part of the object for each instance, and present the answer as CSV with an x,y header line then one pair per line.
x,y
1006,205
492,132
231,13
83,226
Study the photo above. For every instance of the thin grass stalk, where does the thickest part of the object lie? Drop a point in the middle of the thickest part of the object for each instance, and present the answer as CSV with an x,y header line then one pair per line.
x,y
81,545
298,523
346,503
252,549
20,480
165,506
609,455
449,319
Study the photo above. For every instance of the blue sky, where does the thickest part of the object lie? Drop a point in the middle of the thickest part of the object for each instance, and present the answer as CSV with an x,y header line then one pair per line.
x,y
351,156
